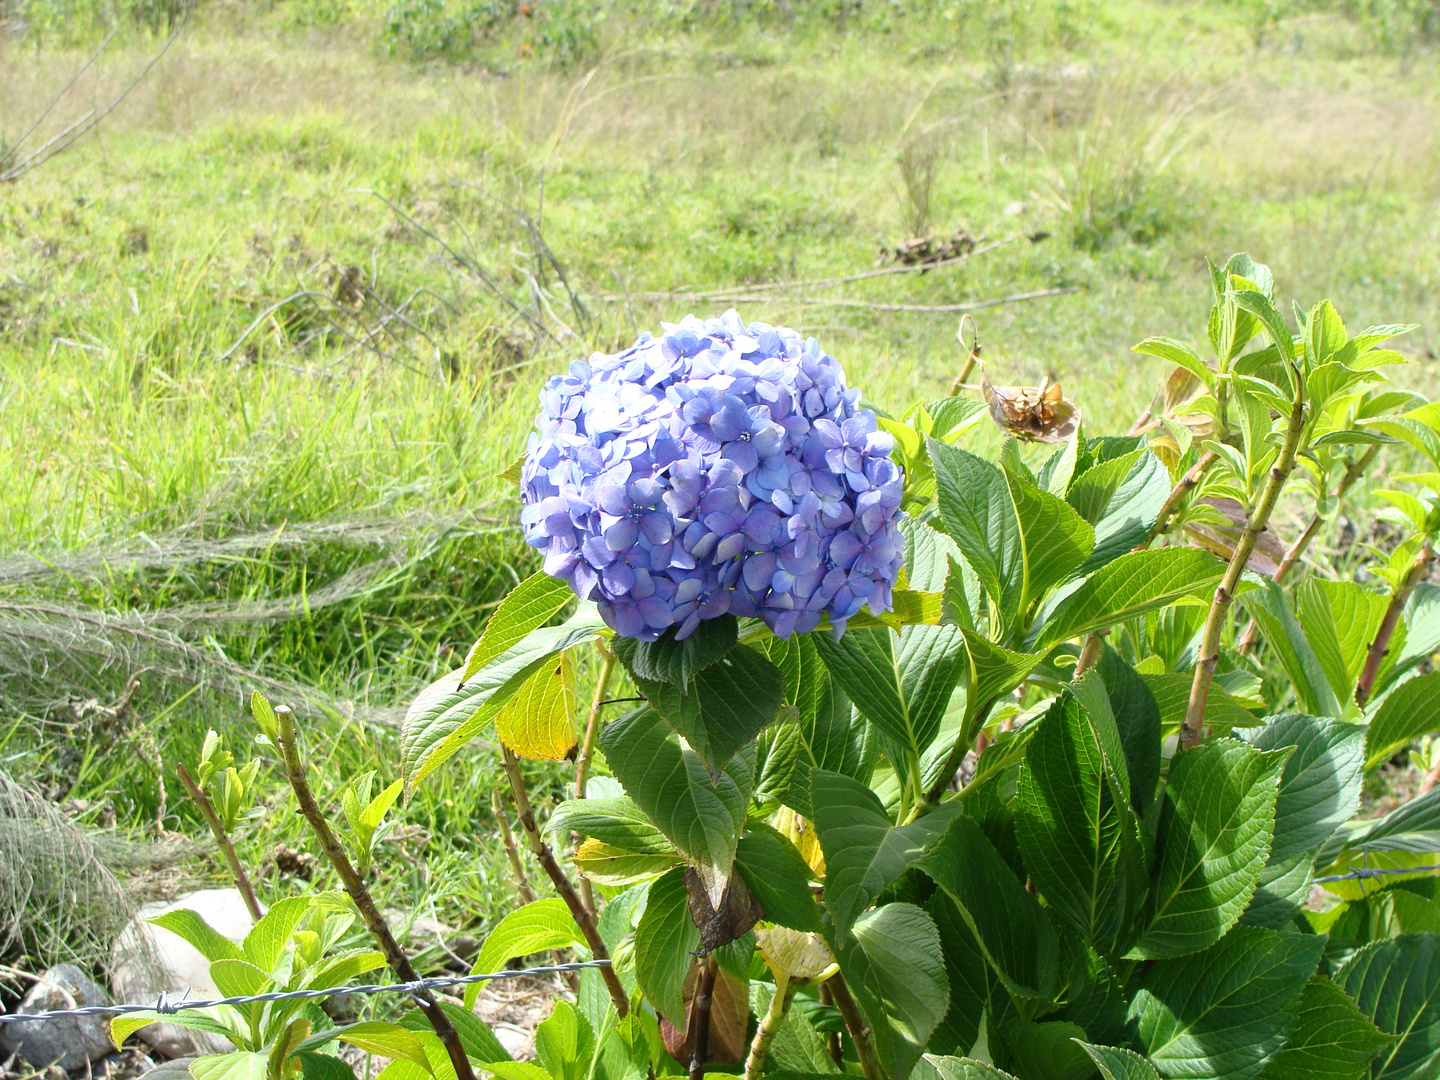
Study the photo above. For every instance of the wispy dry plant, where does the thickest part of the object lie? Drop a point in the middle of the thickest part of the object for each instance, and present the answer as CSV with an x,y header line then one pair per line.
x,y
1116,175
919,162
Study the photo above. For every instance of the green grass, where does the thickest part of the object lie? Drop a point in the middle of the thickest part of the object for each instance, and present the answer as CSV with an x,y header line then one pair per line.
x,y
661,157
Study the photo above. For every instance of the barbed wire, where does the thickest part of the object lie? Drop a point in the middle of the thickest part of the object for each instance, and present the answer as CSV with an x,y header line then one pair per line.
x,y
1361,873
167,1007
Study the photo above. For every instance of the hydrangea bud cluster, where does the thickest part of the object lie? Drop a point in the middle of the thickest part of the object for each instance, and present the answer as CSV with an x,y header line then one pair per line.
x,y
718,468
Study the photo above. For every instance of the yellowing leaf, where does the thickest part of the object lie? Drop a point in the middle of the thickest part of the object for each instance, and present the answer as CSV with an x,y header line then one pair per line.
x,y
794,953
802,834
539,721
611,866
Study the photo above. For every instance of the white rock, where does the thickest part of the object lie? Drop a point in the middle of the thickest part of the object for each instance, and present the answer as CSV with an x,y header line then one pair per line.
x,y
147,959
70,1042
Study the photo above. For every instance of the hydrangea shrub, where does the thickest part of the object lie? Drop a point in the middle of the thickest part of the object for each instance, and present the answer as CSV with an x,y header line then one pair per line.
x,y
1052,775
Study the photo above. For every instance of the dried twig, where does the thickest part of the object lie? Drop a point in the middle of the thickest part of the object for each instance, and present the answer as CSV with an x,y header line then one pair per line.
x,y
698,1024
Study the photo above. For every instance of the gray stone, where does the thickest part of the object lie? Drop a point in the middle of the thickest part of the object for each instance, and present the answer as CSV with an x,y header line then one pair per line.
x,y
176,1069
70,1042
147,959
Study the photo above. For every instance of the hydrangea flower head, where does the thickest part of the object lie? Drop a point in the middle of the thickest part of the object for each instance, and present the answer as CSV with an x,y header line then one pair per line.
x,y
720,468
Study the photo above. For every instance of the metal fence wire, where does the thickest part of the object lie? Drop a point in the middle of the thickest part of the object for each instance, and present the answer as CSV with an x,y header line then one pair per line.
x,y
169,1007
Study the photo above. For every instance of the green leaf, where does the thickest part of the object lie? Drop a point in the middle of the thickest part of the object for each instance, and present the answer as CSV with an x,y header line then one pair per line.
x,y
961,1068
864,852
1131,585
1048,1050
664,943
1319,789
1180,354
240,978
125,1025
315,1066
728,702
672,787
565,1044
616,821
1013,930
1213,836
1171,691
268,939
1054,539
610,866
447,714
1396,984
1409,711
671,661
1331,1039
1413,826
901,683
539,925
977,512
1340,620
1075,827
778,877
891,962
1259,305
1223,1014
1117,1063
527,607
208,942
1122,498
476,1038
238,1066
966,973
1137,718
378,1037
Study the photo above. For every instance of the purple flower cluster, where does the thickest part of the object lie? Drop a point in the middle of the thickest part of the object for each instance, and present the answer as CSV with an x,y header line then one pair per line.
x,y
719,468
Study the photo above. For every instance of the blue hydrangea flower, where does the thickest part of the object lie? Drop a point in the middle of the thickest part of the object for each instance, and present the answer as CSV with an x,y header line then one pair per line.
x,y
720,468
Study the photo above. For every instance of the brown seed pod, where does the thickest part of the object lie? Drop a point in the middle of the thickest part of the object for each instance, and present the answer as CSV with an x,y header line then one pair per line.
x,y
1033,413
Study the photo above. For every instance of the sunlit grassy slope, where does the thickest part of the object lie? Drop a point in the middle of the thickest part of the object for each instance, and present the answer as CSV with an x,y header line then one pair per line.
x,y
393,237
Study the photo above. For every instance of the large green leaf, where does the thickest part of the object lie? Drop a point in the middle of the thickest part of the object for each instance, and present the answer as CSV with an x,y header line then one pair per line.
x,y
268,939
1223,1014
1410,710
977,512
199,934
901,683
1122,498
1013,930
891,962
1171,691
966,973
1137,719
1271,610
1054,542
1048,1050
671,785
1340,620
1397,985
778,878
241,1066
962,1068
1117,1063
1213,836
565,1043
447,714
1131,585
864,852
539,925
726,705
671,661
832,736
1319,789
1331,1039
527,607
1076,830
664,943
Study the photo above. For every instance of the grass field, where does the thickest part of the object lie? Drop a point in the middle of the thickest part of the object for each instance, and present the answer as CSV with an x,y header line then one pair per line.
x,y
267,336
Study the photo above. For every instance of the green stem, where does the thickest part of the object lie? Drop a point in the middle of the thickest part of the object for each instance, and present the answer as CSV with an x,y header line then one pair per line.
x,y
359,893
1183,487
222,841
769,1025
1209,653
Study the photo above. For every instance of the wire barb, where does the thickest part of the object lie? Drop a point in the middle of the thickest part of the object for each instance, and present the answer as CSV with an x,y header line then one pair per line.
x,y
166,1007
